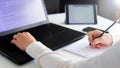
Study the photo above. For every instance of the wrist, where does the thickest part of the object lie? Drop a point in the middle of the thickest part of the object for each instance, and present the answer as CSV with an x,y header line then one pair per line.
x,y
37,49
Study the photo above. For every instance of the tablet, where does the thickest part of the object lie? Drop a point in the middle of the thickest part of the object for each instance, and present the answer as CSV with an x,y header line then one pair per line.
x,y
81,14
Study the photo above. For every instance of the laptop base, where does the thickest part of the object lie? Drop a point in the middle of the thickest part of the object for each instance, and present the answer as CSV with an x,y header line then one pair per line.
x,y
51,35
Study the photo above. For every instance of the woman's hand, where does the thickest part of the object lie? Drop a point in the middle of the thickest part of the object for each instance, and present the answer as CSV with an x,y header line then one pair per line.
x,y
22,40
105,40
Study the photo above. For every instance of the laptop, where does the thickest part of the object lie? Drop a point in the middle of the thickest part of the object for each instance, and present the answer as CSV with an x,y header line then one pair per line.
x,y
30,16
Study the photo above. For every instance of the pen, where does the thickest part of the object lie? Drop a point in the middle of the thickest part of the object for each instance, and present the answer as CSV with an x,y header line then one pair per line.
x,y
107,29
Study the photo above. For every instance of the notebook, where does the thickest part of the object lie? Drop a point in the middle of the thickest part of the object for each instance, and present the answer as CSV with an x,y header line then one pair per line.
x,y
30,15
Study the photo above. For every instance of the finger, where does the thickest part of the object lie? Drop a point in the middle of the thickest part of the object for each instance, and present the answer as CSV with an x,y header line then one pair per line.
x,y
13,41
97,41
90,36
26,33
19,34
93,34
15,36
98,46
96,33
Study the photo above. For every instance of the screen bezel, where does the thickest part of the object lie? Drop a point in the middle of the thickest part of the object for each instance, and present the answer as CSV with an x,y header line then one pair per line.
x,y
94,9
27,26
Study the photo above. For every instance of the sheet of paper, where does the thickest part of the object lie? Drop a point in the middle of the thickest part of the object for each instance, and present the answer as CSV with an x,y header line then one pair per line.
x,y
82,48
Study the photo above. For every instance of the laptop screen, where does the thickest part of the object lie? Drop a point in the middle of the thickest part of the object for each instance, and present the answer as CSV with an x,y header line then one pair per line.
x,y
16,15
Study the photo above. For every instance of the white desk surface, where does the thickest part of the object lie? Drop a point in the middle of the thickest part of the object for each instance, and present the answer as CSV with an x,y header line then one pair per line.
x,y
103,23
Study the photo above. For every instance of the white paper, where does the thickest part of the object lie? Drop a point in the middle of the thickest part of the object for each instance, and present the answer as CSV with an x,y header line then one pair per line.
x,y
83,49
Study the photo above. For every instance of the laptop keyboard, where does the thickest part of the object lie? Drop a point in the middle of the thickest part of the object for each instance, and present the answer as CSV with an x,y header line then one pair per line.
x,y
55,36
47,30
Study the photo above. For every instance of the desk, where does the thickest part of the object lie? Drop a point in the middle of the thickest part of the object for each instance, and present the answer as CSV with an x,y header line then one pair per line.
x,y
59,19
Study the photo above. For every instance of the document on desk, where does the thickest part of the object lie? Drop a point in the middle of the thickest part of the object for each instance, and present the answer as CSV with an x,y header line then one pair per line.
x,y
83,49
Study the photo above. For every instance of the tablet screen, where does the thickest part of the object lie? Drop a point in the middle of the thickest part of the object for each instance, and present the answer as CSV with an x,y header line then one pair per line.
x,y
81,13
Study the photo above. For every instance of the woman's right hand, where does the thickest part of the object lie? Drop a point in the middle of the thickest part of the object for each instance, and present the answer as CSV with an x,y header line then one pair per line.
x,y
105,40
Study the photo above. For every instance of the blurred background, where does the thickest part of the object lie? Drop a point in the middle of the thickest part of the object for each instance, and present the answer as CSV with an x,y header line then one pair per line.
x,y
107,8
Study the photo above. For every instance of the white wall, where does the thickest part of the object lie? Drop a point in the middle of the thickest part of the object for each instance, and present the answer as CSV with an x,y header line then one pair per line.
x,y
107,8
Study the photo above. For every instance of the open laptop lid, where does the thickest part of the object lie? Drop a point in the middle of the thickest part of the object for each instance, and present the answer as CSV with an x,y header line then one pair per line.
x,y
17,15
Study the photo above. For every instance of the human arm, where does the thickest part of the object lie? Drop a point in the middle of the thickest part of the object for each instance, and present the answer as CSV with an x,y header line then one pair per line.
x,y
50,59
44,56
